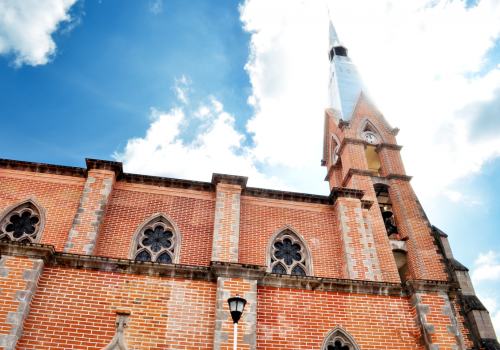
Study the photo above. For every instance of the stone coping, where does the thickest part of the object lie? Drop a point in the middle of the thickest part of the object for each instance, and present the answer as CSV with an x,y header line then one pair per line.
x,y
209,273
229,180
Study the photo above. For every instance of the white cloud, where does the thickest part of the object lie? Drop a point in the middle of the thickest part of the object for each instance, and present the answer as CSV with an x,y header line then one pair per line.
x,y
181,89
216,149
418,62
487,267
26,27
156,6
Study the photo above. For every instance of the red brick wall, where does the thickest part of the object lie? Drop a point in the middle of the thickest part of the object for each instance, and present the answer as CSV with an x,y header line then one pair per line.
x,y
317,225
59,195
297,319
76,309
127,209
9,285
363,111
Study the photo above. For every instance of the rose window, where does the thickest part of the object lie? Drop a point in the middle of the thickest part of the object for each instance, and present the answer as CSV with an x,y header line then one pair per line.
x,y
156,240
22,225
288,256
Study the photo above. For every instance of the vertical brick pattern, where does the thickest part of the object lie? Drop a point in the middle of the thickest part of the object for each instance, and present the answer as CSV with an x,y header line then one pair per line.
x,y
247,326
83,235
422,257
226,223
18,283
319,229
360,253
59,199
76,309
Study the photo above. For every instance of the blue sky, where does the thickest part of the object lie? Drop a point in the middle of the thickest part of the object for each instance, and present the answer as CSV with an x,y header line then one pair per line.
x,y
187,89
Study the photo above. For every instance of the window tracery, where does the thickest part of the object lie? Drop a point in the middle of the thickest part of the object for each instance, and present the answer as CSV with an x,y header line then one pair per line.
x,y
157,239
22,222
288,253
339,339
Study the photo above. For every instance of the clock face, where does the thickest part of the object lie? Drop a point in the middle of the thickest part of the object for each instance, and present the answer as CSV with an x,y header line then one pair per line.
x,y
371,138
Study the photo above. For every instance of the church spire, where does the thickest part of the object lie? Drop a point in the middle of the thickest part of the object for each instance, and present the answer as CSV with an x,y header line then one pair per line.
x,y
334,38
345,83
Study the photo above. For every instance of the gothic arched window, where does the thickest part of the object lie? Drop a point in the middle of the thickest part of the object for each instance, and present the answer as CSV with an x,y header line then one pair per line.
x,y
334,149
157,239
288,253
339,339
22,222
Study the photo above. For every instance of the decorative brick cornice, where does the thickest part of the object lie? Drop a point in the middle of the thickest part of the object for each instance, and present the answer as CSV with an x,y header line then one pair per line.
x,y
413,286
234,270
342,192
366,204
229,180
388,145
285,196
330,171
98,164
352,172
348,140
220,269
42,168
399,177
166,182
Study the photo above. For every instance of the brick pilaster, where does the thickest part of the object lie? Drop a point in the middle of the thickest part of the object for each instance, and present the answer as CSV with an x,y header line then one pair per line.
x,y
232,279
359,252
387,265
423,259
101,176
227,217
18,284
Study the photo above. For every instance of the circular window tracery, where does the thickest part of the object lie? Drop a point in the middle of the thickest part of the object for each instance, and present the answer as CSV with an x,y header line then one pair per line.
x,y
23,223
156,241
288,255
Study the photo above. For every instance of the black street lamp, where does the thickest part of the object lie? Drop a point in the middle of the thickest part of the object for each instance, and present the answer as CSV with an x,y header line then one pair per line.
x,y
236,306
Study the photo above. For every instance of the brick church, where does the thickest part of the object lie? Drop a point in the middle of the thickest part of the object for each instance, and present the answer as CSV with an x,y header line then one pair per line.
x,y
98,259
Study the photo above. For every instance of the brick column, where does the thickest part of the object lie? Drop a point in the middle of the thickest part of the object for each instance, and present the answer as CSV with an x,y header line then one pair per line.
x,y
360,254
362,180
101,176
424,261
235,279
227,216
439,328
471,307
18,284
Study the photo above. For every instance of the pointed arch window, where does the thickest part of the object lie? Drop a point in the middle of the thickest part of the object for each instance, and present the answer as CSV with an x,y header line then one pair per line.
x,y
23,222
157,239
288,253
339,339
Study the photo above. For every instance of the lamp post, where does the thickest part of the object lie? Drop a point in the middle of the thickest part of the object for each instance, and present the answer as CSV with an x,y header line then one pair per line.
x,y
236,306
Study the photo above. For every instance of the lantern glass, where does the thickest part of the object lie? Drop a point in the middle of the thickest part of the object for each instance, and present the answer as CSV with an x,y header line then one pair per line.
x,y
236,306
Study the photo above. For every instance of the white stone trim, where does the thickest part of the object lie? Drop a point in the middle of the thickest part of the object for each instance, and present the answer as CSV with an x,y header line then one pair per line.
x,y
118,341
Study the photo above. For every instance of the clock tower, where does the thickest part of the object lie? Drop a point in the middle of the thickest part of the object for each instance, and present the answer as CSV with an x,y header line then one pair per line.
x,y
361,153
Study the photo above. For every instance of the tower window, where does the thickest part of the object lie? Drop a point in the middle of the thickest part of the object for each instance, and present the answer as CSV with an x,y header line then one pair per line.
x,y
385,205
